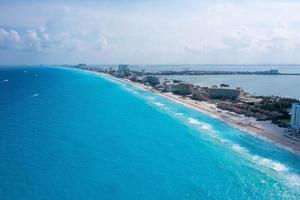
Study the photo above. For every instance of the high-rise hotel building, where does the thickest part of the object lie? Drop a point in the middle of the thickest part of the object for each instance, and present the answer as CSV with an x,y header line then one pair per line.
x,y
295,116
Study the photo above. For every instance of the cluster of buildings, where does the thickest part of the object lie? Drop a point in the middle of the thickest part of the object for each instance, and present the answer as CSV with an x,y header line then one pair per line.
x,y
249,109
226,98
178,87
122,72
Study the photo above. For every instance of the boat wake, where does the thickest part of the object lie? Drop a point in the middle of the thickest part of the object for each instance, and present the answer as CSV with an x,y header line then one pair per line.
x,y
35,95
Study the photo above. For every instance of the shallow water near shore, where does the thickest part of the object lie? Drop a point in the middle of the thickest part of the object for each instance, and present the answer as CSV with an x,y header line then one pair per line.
x,y
72,134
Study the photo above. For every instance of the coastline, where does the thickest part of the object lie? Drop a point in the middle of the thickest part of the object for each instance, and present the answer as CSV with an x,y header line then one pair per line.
x,y
262,129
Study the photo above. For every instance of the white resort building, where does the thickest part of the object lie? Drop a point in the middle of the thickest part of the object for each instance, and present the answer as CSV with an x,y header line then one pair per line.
x,y
295,116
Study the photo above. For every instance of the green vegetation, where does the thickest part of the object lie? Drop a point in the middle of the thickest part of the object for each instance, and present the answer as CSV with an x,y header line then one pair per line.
x,y
274,103
280,105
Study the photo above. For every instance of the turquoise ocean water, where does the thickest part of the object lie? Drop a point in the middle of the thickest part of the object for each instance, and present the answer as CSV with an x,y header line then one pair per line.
x,y
69,134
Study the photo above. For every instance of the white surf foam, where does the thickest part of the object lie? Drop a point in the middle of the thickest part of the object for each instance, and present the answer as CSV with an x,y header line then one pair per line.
x,y
224,140
293,179
179,114
159,104
6,80
199,124
130,89
193,121
239,148
206,126
274,165
282,171
151,98
259,160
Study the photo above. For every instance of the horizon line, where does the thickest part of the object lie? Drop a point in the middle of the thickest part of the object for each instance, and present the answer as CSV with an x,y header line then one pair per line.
x,y
211,64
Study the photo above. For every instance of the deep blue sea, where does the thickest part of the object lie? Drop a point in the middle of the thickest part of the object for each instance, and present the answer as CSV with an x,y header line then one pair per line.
x,y
70,134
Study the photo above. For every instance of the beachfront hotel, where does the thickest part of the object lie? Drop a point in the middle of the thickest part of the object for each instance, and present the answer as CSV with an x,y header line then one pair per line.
x,y
295,116
224,93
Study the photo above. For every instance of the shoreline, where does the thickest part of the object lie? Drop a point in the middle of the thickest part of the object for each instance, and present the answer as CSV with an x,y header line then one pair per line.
x,y
264,130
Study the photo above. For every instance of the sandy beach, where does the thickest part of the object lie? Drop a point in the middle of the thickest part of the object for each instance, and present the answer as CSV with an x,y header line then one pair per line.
x,y
262,129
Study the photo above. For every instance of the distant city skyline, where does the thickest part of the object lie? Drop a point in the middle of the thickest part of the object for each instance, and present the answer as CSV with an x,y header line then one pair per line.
x,y
150,32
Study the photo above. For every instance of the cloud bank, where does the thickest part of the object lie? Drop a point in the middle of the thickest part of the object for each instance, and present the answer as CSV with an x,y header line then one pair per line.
x,y
150,32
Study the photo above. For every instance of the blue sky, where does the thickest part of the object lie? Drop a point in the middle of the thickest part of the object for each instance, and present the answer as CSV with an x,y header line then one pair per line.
x,y
150,32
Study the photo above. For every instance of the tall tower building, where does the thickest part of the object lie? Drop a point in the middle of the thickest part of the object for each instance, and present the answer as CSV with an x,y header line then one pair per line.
x,y
295,116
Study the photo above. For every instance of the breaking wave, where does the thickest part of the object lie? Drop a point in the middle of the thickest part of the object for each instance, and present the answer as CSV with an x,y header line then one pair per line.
x,y
193,121
159,104
129,89
199,124
259,160
293,179
265,164
277,166
179,114
255,159
238,148
151,98
282,171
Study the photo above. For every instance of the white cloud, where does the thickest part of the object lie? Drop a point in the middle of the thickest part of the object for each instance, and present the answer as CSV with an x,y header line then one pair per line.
x,y
185,32
14,36
101,43
36,40
67,8
33,40
33,36
9,39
